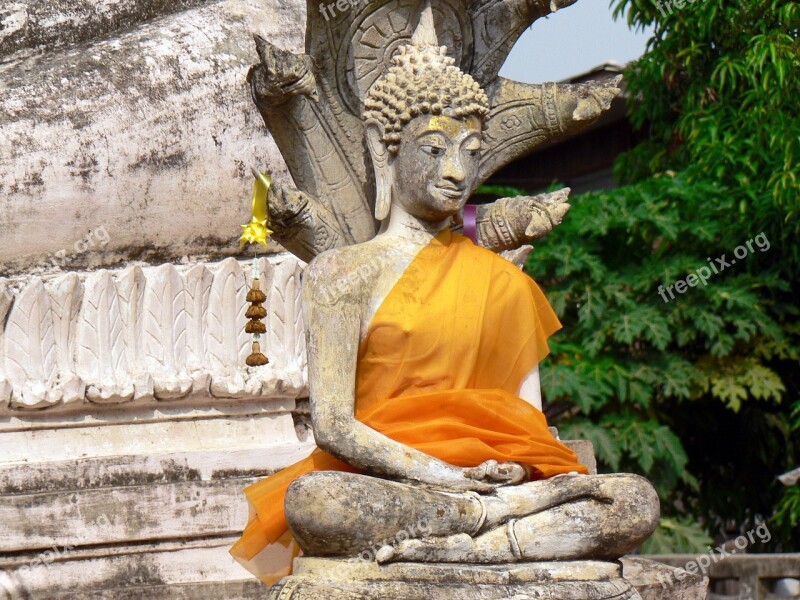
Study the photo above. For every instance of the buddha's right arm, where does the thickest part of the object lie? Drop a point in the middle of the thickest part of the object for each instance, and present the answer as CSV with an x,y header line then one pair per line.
x,y
334,322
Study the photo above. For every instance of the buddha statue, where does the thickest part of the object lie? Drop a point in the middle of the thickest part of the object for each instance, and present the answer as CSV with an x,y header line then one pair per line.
x,y
423,371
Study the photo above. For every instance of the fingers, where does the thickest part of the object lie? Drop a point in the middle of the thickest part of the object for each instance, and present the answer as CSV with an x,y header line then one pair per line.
x,y
550,198
488,476
483,487
545,212
482,471
491,472
593,99
509,473
557,213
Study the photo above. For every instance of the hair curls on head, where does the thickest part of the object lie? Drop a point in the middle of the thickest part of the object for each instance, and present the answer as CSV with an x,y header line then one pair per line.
x,y
422,80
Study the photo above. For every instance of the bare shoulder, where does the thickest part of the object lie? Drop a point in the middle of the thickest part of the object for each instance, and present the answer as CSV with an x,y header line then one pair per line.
x,y
344,274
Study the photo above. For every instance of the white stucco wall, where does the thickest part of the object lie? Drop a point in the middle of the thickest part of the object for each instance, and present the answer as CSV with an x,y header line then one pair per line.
x,y
145,135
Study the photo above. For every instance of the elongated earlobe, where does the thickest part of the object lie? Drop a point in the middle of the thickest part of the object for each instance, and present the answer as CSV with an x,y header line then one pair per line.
x,y
383,170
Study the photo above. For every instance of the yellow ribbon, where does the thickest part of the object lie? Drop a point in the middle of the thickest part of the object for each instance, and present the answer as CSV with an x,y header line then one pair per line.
x,y
256,231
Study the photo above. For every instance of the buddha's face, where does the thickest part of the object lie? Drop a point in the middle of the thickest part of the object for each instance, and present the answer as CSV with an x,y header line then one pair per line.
x,y
436,165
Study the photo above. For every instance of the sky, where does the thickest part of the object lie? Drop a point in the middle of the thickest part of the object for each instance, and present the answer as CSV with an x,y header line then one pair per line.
x,y
572,41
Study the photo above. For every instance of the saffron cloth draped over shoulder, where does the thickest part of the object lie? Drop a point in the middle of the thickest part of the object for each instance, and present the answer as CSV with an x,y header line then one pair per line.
x,y
439,370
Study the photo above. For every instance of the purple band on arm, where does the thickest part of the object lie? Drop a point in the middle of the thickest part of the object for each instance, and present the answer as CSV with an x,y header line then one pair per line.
x,y
470,218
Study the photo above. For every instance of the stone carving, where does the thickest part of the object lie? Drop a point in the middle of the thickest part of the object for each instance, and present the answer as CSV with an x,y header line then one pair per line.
x,y
102,354
31,353
6,298
144,335
130,286
564,580
415,295
164,334
287,344
65,301
508,227
228,345
197,281
312,105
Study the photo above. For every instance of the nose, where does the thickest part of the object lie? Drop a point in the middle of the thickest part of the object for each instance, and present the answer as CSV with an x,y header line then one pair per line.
x,y
453,167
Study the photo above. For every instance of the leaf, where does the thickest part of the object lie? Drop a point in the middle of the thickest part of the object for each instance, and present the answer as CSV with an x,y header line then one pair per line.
x,y
102,354
678,377
657,332
638,443
228,344
6,300
677,536
576,386
30,338
65,295
728,390
286,331
164,321
197,286
668,447
764,383
131,285
647,442
788,509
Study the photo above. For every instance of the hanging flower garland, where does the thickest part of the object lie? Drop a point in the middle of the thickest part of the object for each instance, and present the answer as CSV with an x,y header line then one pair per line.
x,y
257,232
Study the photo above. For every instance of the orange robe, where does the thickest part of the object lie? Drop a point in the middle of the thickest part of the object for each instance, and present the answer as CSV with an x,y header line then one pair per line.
x,y
439,370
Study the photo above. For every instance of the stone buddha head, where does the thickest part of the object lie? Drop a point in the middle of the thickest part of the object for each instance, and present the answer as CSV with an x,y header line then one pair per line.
x,y
424,124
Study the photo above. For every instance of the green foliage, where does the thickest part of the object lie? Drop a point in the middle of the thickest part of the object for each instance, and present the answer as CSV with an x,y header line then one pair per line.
x,y
787,513
720,83
633,368
677,535
691,389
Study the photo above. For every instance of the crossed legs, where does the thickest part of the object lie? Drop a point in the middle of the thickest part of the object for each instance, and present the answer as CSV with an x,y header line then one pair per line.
x,y
562,518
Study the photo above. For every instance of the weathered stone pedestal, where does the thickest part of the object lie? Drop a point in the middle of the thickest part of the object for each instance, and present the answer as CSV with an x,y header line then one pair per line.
x,y
316,578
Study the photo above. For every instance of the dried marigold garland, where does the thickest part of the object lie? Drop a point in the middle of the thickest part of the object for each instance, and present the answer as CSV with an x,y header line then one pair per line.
x,y
257,232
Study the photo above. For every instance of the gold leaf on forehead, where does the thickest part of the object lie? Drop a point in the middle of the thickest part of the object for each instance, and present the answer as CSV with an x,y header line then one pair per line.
x,y
453,126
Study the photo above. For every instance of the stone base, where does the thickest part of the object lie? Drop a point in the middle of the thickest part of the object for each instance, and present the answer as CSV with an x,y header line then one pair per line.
x,y
654,580
332,579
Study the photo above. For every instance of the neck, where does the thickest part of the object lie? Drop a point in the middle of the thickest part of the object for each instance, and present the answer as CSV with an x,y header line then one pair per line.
x,y
403,225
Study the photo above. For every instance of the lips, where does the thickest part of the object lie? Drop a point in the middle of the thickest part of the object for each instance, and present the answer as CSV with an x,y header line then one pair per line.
x,y
450,192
